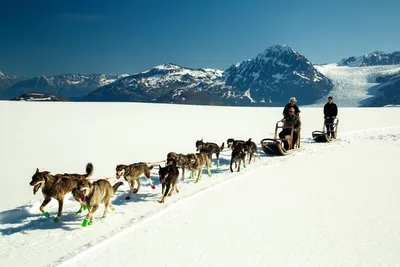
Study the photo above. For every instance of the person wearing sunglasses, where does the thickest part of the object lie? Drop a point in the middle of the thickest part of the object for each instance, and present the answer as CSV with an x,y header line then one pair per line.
x,y
291,104
288,121
330,113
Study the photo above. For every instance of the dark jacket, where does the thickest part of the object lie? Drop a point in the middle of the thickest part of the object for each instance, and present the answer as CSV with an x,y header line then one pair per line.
x,y
290,120
287,107
330,110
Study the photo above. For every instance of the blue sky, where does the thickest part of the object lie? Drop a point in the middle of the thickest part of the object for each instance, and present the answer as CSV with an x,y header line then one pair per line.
x,y
54,37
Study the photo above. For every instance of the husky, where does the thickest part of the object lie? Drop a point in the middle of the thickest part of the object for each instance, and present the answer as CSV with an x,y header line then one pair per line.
x,y
131,174
94,194
168,176
238,155
209,149
57,186
196,162
232,143
180,160
251,148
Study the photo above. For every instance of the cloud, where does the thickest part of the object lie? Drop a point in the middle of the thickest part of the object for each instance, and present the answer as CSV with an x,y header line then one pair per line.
x,y
81,16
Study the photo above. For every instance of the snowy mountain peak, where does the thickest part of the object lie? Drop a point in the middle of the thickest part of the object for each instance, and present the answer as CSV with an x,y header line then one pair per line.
x,y
168,66
279,49
372,59
166,80
275,74
1,74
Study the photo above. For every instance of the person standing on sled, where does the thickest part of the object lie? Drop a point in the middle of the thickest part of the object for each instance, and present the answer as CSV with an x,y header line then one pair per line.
x,y
291,104
330,113
288,121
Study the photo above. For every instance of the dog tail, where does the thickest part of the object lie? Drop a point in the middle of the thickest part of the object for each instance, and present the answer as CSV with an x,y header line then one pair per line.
x,y
222,147
89,169
115,187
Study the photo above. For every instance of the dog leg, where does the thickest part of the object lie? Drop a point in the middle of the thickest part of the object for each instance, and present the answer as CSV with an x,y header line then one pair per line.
x,y
60,208
176,188
200,170
45,202
208,169
89,217
171,191
138,182
132,185
217,154
82,207
106,206
147,174
183,173
162,200
165,194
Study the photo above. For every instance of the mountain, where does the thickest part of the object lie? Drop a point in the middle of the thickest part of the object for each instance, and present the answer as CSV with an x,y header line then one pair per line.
x,y
33,96
372,59
274,76
388,92
271,78
160,84
67,85
7,81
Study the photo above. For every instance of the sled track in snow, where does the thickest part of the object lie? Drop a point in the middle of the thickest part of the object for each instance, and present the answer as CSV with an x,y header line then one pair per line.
x,y
264,162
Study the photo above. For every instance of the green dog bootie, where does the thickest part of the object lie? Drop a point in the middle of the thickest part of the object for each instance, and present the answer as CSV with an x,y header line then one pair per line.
x,y
57,219
244,165
85,222
84,207
90,222
209,175
102,217
112,208
78,212
46,214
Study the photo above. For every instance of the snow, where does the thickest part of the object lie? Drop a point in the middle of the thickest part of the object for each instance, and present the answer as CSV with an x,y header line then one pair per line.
x,y
174,74
248,95
300,75
1,74
328,205
353,85
38,99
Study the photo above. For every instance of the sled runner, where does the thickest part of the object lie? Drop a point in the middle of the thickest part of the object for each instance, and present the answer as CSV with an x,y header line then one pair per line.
x,y
322,136
275,146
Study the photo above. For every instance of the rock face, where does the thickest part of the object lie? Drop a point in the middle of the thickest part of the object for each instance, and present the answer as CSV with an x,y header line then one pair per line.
x,y
69,86
388,92
275,75
163,83
372,59
33,96
269,79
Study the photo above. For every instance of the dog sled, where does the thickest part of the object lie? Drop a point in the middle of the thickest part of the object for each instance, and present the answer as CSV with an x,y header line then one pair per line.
x,y
322,136
275,146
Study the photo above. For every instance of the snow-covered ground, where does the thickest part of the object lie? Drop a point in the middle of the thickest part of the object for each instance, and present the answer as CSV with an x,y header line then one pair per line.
x,y
353,85
328,205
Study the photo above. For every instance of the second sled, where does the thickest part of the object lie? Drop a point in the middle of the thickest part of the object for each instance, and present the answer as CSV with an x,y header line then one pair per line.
x,y
275,146
322,136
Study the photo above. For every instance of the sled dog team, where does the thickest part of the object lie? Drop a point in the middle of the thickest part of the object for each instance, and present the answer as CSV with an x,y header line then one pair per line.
x,y
91,195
